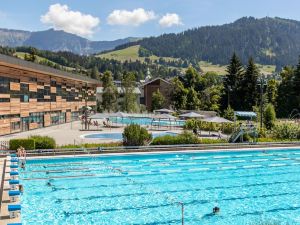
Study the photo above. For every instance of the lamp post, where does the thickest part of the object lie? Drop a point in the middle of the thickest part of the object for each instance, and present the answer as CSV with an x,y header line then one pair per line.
x,y
228,96
261,83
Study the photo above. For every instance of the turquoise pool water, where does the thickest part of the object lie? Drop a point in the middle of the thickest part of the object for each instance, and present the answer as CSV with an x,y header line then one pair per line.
x,y
146,121
249,187
119,136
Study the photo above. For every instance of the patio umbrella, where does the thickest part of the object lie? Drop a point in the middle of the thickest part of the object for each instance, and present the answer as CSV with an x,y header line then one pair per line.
x,y
216,119
168,111
191,115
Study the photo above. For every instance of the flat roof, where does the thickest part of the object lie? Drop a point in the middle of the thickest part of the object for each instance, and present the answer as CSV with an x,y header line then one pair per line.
x,y
45,69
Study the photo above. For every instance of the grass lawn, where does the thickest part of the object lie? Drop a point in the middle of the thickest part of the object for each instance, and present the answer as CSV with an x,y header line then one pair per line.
x,y
130,53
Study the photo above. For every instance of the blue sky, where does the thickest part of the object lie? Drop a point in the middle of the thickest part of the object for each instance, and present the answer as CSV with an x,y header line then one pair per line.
x,y
100,20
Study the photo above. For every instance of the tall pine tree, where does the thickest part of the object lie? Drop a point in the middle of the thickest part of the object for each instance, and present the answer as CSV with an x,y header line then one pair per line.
x,y
249,89
232,83
110,93
296,87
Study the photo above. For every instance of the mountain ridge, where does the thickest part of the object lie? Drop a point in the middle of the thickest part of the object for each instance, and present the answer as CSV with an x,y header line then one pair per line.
x,y
57,40
268,40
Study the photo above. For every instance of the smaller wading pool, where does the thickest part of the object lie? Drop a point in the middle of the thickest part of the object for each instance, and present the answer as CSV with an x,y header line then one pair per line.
x,y
118,136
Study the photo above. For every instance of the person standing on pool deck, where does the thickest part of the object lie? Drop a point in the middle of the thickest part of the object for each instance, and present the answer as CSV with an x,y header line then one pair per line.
x,y
19,153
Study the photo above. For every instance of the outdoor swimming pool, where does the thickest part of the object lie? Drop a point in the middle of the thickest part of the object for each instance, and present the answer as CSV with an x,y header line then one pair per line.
x,y
145,121
249,187
118,136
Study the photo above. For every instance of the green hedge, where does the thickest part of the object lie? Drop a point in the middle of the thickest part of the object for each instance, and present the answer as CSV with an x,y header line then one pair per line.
x,y
191,124
184,138
93,145
43,142
28,144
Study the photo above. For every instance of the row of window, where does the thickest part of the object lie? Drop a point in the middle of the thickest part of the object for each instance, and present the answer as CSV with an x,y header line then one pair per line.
x,y
9,116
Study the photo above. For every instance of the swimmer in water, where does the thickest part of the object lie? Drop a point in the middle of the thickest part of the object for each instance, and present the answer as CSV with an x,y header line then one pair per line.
x,y
49,184
216,210
23,165
21,188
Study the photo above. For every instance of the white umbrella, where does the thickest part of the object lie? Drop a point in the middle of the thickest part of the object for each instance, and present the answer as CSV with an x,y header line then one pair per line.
x,y
216,119
164,111
191,115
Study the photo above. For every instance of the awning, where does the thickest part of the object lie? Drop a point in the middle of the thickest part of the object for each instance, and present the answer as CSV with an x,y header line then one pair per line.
x,y
245,114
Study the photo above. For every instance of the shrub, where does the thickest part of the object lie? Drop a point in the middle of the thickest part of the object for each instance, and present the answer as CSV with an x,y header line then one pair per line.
x,y
286,131
229,113
135,135
192,124
43,142
269,117
212,141
184,138
28,144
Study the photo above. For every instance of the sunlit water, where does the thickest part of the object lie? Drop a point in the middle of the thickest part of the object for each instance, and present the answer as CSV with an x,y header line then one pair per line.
x,y
249,187
147,121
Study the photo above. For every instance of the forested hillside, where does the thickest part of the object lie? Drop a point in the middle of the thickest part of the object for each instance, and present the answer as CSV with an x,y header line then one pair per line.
x,y
272,41
87,65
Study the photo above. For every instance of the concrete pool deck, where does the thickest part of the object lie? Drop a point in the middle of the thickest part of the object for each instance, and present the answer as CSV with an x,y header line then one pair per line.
x,y
70,133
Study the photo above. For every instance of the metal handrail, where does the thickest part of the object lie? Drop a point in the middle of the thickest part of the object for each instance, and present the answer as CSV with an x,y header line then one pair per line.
x,y
2,183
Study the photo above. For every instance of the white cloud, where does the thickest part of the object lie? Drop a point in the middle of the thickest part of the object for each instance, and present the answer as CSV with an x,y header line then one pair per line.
x,y
130,18
62,18
169,20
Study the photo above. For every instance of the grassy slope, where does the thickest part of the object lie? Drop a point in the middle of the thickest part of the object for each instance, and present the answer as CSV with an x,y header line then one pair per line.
x,y
131,53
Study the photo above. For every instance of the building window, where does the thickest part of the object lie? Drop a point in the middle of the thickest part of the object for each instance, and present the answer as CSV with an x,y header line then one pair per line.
x,y
24,88
24,98
53,83
47,90
4,85
4,99
33,79
15,125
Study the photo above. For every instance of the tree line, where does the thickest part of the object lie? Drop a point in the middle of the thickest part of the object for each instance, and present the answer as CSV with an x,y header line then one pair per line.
x,y
240,89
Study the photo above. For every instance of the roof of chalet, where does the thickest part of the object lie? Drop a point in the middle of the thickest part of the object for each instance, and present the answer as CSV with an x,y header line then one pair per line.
x,y
158,78
4,59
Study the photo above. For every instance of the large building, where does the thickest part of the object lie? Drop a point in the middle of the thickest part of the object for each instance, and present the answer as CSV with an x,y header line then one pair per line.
x,y
34,96
148,88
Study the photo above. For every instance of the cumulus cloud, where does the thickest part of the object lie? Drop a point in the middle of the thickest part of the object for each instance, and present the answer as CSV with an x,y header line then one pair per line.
x,y
169,20
62,18
130,18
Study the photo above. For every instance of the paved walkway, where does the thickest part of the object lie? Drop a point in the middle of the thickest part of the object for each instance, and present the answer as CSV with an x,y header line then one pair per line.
x,y
69,133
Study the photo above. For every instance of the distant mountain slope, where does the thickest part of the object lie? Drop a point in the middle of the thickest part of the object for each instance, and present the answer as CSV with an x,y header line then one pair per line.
x,y
273,41
57,41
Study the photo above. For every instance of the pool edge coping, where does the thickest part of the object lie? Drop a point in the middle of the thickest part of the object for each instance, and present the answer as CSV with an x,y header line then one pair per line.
x,y
246,149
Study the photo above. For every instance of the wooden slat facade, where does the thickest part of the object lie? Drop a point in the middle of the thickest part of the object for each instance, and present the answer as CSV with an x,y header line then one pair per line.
x,y
31,99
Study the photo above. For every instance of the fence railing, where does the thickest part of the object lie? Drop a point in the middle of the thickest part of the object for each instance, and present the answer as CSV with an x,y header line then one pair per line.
x,y
4,145
154,148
